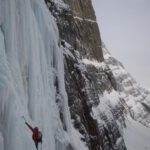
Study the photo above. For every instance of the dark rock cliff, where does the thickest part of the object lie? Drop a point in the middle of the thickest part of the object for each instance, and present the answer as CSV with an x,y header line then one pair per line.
x,y
88,39
97,85
78,26
86,83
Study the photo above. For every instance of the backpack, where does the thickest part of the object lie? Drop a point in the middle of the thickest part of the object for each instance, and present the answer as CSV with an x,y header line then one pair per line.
x,y
39,137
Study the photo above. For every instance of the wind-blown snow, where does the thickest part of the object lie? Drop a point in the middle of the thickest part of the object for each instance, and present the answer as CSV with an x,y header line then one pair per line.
x,y
30,62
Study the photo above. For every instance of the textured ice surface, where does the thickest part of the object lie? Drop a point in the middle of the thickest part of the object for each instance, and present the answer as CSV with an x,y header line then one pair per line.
x,y
30,62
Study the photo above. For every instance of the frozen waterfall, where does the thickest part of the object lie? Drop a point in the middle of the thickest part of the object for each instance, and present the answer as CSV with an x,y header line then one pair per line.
x,y
30,62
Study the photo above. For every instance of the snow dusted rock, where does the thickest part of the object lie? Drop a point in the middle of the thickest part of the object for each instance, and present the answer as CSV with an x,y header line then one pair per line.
x,y
77,25
95,95
89,93
136,97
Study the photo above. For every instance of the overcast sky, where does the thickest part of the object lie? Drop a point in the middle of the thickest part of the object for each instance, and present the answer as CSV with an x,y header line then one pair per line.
x,y
125,30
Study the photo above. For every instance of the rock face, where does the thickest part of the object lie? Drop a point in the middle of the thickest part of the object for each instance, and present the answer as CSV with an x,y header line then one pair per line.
x,y
98,96
82,9
78,26
88,39
135,96
86,82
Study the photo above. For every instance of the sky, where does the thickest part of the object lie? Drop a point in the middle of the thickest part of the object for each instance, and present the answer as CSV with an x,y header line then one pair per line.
x,y
125,30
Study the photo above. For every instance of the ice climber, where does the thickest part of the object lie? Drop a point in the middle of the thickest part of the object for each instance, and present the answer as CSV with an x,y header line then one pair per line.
x,y
36,135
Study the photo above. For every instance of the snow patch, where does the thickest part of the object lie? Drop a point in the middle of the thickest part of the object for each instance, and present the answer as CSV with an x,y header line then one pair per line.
x,y
94,63
79,145
84,19
60,4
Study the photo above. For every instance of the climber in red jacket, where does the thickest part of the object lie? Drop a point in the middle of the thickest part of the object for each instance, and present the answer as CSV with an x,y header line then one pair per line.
x,y
36,135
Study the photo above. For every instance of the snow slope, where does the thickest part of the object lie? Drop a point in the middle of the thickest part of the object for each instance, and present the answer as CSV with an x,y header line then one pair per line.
x,y
136,136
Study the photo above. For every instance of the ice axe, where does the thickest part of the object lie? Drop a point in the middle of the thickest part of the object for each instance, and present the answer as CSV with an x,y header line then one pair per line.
x,y
23,118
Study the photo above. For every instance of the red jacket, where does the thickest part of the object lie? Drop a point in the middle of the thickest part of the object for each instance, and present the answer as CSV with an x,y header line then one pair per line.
x,y
35,131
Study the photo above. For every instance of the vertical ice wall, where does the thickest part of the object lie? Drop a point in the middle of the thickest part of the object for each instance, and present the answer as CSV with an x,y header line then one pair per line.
x,y
29,59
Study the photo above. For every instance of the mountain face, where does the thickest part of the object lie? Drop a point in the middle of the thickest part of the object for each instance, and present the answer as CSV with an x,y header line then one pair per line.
x,y
57,74
92,76
73,20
